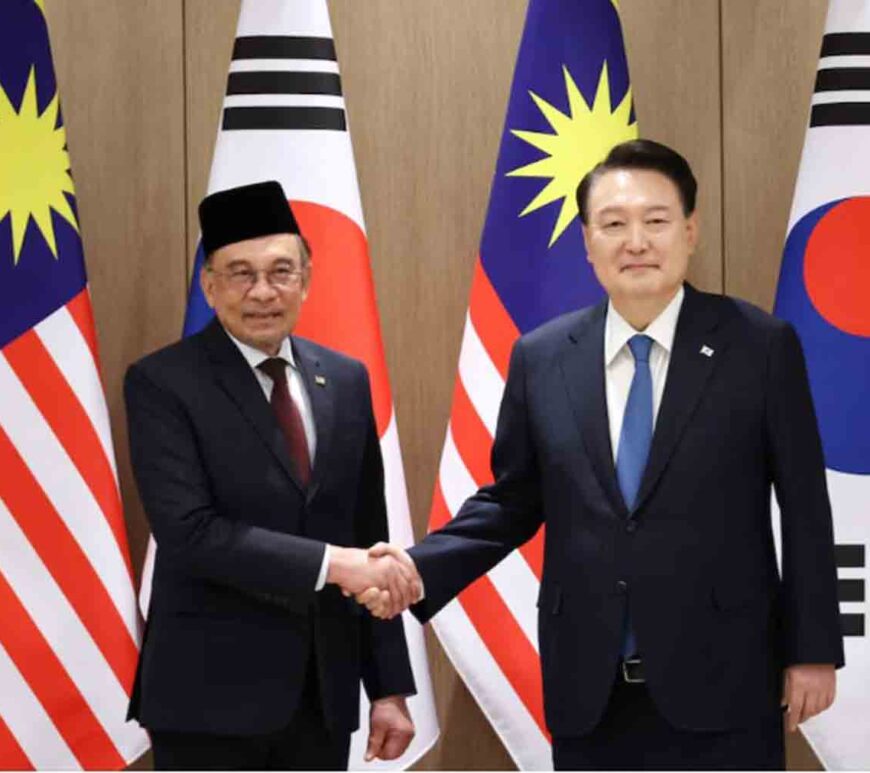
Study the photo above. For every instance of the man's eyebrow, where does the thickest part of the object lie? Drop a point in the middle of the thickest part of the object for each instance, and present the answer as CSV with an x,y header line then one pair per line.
x,y
613,209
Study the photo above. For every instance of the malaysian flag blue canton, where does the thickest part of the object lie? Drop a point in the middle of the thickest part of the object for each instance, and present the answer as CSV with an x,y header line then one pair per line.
x,y
41,265
570,103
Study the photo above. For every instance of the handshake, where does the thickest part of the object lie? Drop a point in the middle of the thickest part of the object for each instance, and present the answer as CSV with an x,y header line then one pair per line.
x,y
383,578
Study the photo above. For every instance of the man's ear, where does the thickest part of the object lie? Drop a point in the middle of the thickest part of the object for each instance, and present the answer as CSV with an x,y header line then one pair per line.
x,y
306,280
693,227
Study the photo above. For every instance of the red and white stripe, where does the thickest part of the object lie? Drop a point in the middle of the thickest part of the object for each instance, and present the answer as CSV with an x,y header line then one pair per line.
x,y
69,638
490,631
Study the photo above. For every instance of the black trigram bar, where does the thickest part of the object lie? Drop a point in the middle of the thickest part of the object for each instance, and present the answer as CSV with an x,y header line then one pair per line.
x,y
284,83
850,590
283,47
843,79
846,44
842,114
327,118
849,556
852,625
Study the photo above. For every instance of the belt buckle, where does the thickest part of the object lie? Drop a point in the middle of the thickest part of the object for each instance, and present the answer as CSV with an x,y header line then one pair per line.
x,y
632,671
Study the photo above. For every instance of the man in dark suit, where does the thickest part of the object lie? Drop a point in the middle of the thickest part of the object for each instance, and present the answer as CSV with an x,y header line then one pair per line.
x,y
257,457
646,433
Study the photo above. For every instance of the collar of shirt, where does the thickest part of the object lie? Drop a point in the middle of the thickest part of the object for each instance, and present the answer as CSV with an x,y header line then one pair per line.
x,y
255,357
662,329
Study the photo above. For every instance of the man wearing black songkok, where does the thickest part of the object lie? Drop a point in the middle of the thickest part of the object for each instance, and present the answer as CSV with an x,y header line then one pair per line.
x,y
258,462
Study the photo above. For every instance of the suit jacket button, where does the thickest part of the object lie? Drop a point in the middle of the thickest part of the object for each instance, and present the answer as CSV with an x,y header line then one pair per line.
x,y
621,587
631,526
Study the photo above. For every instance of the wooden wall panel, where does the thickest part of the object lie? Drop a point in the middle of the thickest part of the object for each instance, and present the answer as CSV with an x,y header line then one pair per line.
x,y
673,56
122,98
769,59
209,31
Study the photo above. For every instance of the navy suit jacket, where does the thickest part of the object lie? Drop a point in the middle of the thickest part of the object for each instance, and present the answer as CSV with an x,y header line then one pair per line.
x,y
694,561
234,616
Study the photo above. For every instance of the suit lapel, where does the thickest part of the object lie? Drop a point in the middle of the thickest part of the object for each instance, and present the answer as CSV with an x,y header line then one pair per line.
x,y
583,370
687,376
236,378
320,389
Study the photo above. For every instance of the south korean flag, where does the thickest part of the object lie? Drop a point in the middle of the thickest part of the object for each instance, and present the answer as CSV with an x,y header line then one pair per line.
x,y
824,290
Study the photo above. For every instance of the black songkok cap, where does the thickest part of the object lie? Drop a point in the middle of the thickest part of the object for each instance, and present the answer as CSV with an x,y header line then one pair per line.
x,y
243,213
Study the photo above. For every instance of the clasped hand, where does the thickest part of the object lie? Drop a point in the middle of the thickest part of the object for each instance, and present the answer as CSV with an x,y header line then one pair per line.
x,y
383,578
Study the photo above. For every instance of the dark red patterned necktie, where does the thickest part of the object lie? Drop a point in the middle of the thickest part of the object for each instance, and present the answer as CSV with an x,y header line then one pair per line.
x,y
289,418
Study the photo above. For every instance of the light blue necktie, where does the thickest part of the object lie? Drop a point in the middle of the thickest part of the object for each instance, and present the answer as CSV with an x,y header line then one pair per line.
x,y
634,442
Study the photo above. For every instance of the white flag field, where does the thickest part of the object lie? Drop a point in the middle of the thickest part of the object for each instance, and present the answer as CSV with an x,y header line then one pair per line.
x,y
824,290
284,119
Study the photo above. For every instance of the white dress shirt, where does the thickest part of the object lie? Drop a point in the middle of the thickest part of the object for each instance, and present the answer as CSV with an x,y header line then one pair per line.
x,y
255,357
619,361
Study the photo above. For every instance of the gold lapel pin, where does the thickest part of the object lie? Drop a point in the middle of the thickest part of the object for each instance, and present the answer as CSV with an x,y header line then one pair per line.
x,y
320,380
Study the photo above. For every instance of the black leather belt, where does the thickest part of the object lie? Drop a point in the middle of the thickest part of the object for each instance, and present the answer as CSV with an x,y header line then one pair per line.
x,y
632,671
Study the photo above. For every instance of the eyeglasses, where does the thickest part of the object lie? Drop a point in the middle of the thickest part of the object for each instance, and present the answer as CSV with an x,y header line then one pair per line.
x,y
243,279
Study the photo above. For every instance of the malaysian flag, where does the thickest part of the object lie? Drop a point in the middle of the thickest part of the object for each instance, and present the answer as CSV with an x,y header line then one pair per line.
x,y
824,291
69,635
284,118
569,104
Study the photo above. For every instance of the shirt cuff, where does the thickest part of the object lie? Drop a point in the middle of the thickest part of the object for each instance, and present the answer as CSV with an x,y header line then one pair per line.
x,y
324,569
422,595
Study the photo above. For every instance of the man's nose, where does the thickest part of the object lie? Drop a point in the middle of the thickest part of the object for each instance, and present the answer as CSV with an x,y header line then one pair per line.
x,y
637,238
262,288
